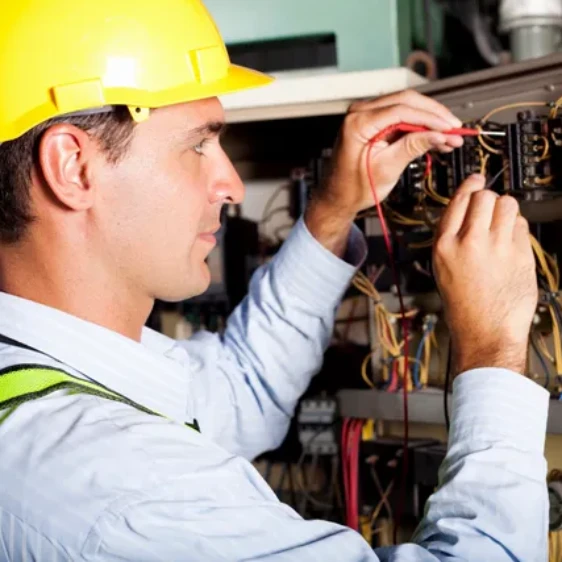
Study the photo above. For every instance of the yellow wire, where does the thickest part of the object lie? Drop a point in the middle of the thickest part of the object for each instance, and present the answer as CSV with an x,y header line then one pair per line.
x,y
544,268
544,349
364,369
401,219
485,144
483,160
554,537
424,374
379,507
428,188
555,108
408,314
555,546
546,148
557,340
554,268
553,284
385,322
497,110
384,328
513,106
428,219
543,181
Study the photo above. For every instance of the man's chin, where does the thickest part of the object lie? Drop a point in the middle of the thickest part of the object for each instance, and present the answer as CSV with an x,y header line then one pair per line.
x,y
197,285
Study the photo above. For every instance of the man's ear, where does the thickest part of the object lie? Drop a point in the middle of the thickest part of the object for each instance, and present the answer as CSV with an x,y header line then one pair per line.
x,y
64,152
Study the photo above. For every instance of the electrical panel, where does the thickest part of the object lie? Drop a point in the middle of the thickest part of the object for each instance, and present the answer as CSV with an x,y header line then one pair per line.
x,y
525,162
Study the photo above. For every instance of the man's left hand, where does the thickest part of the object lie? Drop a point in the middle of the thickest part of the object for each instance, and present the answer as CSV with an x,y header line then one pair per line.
x,y
346,191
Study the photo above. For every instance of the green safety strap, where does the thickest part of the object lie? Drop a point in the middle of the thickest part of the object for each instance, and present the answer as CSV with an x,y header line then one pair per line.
x,y
22,383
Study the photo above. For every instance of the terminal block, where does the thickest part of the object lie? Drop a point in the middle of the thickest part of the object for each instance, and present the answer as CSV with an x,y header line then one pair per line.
x,y
528,155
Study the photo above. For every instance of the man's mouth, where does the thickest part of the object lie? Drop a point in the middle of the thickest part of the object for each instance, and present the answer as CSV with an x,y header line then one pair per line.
x,y
210,235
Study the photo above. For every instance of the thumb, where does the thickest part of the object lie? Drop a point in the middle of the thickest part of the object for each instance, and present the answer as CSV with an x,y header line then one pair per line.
x,y
400,153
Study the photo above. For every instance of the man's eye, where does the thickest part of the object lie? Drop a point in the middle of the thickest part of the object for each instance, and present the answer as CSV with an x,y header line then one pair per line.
x,y
199,148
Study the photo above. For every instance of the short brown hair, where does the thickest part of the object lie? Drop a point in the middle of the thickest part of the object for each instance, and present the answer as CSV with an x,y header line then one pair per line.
x,y
113,130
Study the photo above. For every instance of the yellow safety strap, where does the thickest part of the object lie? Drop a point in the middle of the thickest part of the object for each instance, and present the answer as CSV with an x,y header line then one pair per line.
x,y
22,383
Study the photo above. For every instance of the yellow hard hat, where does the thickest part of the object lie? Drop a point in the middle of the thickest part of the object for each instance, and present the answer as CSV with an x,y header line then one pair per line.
x,y
64,56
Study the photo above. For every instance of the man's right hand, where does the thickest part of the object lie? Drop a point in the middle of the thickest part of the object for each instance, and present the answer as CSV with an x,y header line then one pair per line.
x,y
485,272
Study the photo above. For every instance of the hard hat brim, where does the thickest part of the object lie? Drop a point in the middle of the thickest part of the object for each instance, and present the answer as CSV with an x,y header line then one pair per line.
x,y
236,79
241,78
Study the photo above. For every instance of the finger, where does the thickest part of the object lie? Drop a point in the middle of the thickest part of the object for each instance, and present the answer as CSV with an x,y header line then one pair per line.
x,y
410,98
453,217
480,212
456,141
400,153
368,123
472,184
521,233
452,142
504,218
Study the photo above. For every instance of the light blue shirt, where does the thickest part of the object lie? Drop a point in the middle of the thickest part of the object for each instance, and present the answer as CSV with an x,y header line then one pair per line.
x,y
87,479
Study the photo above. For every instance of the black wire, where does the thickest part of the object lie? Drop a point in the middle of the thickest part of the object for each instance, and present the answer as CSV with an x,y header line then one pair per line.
x,y
446,390
491,183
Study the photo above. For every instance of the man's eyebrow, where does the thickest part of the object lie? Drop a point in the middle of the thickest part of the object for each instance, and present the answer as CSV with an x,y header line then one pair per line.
x,y
212,128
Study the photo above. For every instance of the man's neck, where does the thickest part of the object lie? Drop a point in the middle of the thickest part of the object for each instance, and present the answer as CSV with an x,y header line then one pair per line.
x,y
90,295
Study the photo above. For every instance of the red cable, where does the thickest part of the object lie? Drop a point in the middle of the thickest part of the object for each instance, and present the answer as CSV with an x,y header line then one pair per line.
x,y
387,240
393,386
352,429
345,469
355,466
428,164
351,438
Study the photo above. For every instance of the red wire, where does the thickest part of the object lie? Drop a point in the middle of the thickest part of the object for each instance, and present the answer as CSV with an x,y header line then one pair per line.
x,y
351,439
393,386
428,165
387,240
355,460
345,469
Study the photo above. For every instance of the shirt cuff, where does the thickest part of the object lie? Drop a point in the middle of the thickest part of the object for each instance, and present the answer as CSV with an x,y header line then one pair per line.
x,y
494,404
314,273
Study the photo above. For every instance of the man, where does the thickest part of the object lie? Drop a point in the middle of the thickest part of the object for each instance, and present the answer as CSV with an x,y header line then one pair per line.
x,y
111,180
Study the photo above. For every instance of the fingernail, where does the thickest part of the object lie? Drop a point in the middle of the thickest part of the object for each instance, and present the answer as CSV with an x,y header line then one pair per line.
x,y
478,177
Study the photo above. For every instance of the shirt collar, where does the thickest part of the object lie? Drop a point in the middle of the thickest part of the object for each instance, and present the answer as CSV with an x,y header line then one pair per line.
x,y
148,373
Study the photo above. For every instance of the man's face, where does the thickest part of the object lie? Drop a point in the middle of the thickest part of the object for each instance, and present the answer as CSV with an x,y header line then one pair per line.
x,y
159,207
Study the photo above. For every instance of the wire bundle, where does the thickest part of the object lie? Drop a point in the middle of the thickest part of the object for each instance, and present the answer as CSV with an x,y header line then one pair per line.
x,y
381,135
420,371
549,271
384,499
350,443
429,190
394,363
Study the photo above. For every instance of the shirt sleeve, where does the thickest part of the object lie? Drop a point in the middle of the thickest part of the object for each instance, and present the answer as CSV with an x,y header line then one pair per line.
x,y
200,503
492,499
247,383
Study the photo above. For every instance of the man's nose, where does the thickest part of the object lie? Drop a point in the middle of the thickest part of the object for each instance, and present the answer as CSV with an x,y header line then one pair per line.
x,y
229,188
